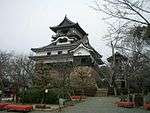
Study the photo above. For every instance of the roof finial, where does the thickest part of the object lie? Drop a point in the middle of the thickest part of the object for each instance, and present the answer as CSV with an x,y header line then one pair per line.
x,y
65,15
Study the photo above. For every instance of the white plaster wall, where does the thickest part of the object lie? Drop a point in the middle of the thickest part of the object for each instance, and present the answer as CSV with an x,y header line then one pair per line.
x,y
81,52
41,53
68,42
60,60
54,52
65,52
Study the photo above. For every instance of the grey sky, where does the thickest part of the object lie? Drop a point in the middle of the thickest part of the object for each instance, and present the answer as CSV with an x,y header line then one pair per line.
x,y
24,24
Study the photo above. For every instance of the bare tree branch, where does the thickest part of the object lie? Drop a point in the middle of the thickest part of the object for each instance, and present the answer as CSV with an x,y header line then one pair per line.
x,y
134,51
120,9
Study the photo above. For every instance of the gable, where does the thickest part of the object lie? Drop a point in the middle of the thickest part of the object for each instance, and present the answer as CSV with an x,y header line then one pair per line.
x,y
81,52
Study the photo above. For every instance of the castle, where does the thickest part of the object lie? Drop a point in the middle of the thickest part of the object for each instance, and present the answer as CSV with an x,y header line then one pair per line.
x,y
70,45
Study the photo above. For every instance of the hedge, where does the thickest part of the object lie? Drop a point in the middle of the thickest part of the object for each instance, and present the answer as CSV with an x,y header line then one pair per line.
x,y
36,95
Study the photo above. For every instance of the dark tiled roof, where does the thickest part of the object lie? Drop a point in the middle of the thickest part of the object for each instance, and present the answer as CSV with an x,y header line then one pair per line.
x,y
51,46
118,56
66,23
70,47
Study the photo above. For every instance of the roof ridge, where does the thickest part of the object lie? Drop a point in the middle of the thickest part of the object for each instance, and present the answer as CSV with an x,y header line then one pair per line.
x,y
66,21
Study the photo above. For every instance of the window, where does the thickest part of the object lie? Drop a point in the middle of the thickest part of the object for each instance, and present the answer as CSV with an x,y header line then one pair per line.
x,y
59,52
62,40
83,60
74,31
49,53
64,31
71,42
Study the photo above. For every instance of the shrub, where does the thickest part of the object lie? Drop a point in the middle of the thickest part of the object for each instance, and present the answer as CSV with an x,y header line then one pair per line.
x,y
36,95
138,99
32,95
52,96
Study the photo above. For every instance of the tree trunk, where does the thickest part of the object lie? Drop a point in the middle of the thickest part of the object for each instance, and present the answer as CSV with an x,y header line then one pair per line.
x,y
115,91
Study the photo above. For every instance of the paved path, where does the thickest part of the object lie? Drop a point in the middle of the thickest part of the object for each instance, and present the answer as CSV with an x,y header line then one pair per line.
x,y
101,105
97,105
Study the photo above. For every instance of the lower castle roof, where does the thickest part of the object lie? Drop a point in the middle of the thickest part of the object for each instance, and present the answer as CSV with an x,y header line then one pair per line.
x,y
69,47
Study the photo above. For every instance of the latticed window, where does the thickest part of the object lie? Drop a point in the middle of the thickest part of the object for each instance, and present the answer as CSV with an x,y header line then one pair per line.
x,y
63,40
59,52
49,53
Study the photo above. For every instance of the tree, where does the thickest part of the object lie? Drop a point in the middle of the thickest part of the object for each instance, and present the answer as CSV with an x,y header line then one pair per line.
x,y
16,71
4,67
126,15
129,31
21,73
52,76
82,78
129,10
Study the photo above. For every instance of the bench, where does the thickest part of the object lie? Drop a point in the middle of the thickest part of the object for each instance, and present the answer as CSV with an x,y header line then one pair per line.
x,y
126,104
2,105
147,106
13,107
73,98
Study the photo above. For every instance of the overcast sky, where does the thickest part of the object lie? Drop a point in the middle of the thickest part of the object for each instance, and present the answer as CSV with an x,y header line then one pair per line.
x,y
24,24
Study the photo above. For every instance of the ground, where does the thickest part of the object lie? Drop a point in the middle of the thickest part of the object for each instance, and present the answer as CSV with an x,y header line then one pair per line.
x,y
97,105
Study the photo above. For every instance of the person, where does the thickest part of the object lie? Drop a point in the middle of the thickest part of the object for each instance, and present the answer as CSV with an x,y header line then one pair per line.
x,y
61,103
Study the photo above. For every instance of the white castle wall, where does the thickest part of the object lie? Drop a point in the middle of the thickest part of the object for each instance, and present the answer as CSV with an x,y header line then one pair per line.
x,y
41,53
81,52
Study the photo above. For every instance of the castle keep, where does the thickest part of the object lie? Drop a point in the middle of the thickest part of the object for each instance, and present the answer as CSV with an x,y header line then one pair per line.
x,y
69,45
